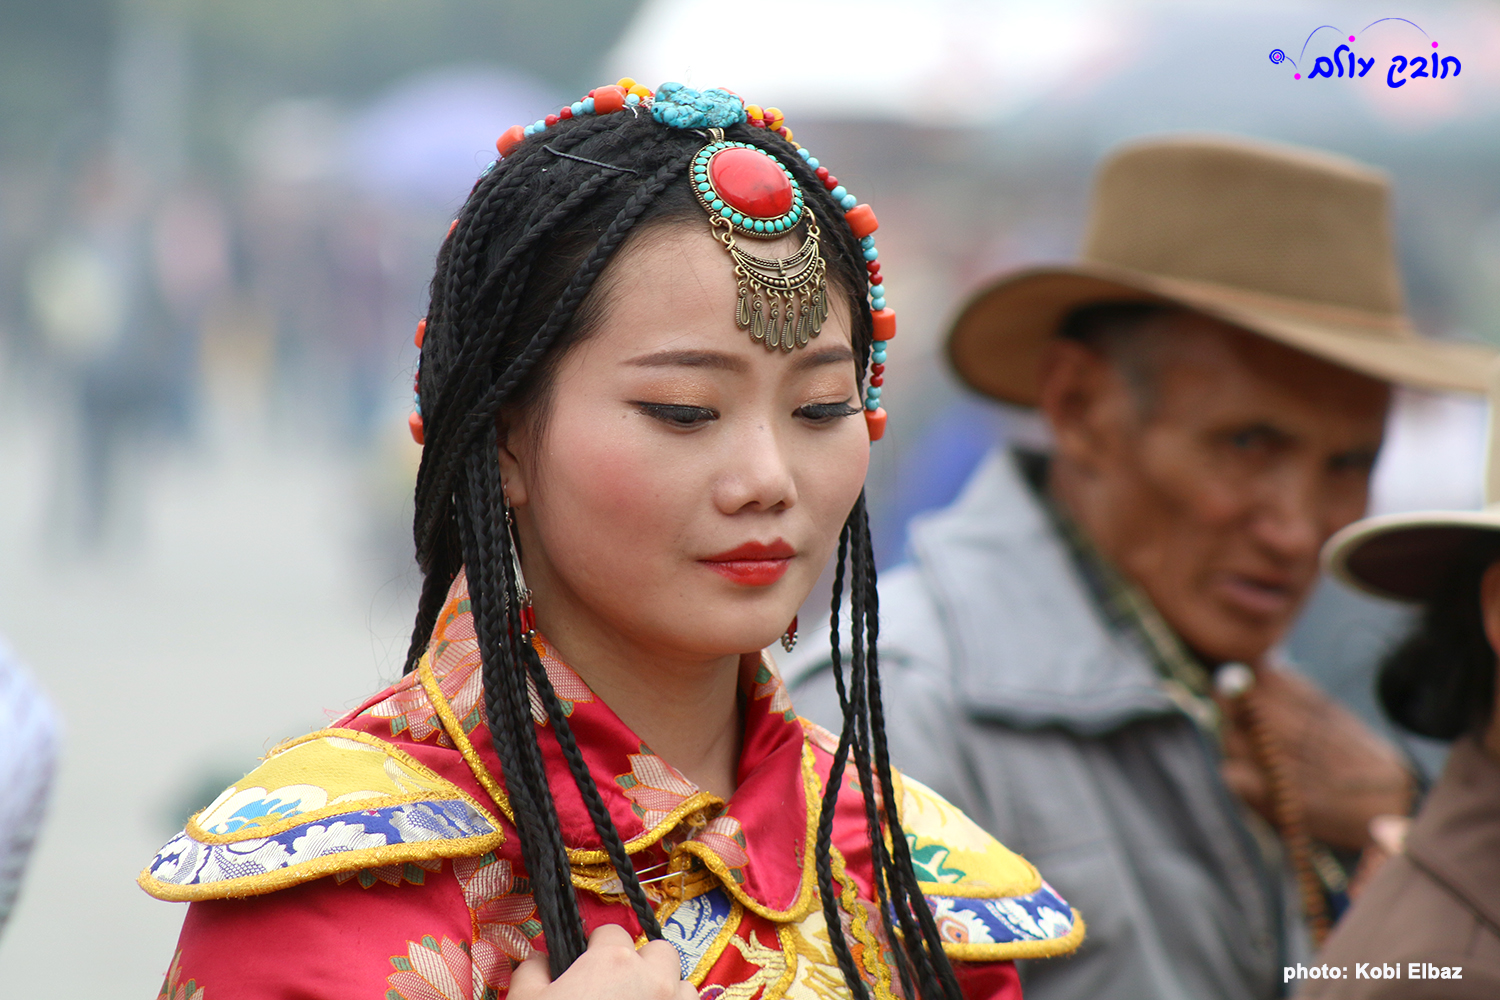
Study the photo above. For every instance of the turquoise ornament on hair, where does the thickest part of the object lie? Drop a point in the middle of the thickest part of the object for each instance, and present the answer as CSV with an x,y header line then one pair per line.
x,y
683,107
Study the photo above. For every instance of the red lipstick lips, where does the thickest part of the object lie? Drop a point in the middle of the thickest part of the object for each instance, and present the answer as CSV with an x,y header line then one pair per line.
x,y
754,564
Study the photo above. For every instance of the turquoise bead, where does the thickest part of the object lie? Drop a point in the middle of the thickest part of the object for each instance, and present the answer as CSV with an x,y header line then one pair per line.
x,y
718,204
632,99
540,124
812,161
872,405
838,193
588,105
760,226
737,218
867,242
726,212
576,107
803,153
873,392
877,304
529,130
872,254
849,202
705,188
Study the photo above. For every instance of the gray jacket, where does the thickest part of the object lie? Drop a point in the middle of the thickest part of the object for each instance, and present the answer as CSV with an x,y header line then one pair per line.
x,y
1007,692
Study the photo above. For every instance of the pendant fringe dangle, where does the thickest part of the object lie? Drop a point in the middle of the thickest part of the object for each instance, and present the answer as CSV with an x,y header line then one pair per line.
x,y
789,637
522,596
783,301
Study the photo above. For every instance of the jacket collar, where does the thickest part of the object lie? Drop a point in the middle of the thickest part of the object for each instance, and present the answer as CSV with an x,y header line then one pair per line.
x,y
1029,645
1456,836
745,842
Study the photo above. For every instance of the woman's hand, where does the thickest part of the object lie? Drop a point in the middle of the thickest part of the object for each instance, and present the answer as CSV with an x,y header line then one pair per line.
x,y
611,969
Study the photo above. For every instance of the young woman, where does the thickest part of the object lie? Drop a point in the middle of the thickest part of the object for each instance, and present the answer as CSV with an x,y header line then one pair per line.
x,y
640,398
1432,912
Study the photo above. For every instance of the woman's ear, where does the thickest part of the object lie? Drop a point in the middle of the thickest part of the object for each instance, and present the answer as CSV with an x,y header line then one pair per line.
x,y
511,441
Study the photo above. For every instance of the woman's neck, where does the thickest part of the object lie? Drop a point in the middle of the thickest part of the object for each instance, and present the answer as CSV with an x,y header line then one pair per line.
x,y
686,710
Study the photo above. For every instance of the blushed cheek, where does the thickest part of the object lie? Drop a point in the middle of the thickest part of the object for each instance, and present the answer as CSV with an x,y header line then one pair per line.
x,y
609,498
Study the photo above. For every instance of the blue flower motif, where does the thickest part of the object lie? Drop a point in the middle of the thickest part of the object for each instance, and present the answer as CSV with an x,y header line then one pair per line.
x,y
684,107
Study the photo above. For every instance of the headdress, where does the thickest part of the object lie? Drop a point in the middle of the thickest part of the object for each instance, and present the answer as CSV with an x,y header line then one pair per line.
x,y
747,192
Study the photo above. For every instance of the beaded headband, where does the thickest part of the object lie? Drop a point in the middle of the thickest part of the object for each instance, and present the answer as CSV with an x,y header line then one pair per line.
x,y
746,191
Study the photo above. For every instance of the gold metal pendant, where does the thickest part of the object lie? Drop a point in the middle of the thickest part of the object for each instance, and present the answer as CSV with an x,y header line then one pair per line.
x,y
782,301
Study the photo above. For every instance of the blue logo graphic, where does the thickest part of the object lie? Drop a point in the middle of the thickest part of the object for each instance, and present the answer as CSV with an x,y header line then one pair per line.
x,y
1344,61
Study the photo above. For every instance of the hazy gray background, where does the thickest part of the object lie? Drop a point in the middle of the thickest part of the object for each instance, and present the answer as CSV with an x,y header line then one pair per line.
x,y
217,218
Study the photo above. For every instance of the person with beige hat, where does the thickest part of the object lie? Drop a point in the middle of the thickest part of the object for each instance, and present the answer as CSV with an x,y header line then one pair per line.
x,y
1427,924
1215,373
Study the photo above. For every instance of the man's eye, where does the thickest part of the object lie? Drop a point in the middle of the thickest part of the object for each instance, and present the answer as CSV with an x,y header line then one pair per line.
x,y
677,415
824,412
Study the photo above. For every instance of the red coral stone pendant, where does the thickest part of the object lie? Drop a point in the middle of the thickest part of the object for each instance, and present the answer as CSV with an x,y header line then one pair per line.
x,y
750,182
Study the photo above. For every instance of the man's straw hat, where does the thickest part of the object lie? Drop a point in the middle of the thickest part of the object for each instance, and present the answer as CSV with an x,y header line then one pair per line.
x,y
1410,556
1289,243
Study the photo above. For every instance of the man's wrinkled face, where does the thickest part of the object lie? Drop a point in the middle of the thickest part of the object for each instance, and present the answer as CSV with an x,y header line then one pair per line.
x,y
1214,475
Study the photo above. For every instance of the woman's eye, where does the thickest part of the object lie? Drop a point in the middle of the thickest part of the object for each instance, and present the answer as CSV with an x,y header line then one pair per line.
x,y
825,412
678,415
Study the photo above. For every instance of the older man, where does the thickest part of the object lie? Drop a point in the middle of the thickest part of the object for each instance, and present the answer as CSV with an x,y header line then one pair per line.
x,y
1215,374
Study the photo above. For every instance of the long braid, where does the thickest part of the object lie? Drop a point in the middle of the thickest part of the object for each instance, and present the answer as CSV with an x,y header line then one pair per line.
x,y
507,710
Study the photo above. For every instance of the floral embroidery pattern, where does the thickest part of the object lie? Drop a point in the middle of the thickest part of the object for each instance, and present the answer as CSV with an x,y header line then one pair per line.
x,y
171,989
570,688
655,788
414,872
504,915
453,654
768,684
929,861
1037,916
435,971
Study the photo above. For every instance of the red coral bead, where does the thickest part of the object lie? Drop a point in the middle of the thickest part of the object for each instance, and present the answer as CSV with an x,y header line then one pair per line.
x,y
861,219
565,113
885,324
877,279
830,182
875,421
822,173
510,139
751,182
421,333
414,424
877,369
877,381
551,120
608,100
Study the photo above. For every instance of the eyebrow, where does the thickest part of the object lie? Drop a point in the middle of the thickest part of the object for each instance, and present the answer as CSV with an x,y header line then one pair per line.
x,y
722,361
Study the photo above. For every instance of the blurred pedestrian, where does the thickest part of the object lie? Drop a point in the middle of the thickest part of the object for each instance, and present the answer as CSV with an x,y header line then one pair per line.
x,y
1215,376
28,756
1437,902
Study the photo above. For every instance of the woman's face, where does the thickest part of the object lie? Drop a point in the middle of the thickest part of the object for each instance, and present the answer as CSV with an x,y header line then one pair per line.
x,y
686,486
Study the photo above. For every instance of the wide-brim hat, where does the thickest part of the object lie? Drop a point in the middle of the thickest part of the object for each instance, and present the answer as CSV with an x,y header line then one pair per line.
x,y
1409,557
1293,244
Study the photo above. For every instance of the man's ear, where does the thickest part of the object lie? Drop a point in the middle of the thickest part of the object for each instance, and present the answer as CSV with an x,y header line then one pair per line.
x,y
511,440
1080,398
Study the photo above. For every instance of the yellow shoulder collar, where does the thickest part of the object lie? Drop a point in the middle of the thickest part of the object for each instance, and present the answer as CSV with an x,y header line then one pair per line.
x,y
333,801
989,902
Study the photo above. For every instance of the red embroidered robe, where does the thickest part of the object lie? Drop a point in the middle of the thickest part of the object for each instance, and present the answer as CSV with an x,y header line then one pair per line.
x,y
378,859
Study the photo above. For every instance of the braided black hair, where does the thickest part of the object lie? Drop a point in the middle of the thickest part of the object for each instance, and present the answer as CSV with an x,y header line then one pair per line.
x,y
510,296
